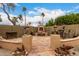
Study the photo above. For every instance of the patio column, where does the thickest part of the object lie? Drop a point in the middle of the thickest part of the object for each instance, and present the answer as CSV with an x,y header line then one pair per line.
x,y
55,41
27,42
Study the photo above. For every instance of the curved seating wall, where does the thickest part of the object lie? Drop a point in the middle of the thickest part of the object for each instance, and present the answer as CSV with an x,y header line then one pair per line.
x,y
13,44
7,44
56,41
71,41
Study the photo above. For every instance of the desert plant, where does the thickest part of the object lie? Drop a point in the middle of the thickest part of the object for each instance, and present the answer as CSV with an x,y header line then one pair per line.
x,y
5,7
42,14
64,51
19,52
24,10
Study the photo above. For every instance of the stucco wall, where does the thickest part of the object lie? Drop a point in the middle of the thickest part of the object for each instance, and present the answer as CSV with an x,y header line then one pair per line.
x,y
7,28
71,42
26,40
56,41
74,29
10,45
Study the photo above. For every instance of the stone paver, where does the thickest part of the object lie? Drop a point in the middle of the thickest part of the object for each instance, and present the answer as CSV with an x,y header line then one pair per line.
x,y
40,47
4,52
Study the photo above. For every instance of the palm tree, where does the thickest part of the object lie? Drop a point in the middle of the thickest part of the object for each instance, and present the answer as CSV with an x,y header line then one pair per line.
x,y
14,19
24,10
11,6
29,24
42,14
39,23
5,7
20,17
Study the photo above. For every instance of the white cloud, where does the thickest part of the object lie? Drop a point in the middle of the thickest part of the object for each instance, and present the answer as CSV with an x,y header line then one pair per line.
x,y
51,13
35,19
32,12
37,15
40,10
5,20
77,7
17,4
56,13
48,15
73,9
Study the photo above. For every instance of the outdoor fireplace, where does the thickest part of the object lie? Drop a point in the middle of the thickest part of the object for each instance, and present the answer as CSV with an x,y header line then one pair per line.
x,y
41,31
10,35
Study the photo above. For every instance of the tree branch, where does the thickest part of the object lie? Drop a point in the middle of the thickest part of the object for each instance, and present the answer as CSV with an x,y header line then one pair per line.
x,y
8,16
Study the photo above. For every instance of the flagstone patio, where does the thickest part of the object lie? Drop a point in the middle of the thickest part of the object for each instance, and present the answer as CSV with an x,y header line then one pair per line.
x,y
40,47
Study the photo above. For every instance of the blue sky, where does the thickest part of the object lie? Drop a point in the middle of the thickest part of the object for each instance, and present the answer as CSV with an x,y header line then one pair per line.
x,y
50,6
34,10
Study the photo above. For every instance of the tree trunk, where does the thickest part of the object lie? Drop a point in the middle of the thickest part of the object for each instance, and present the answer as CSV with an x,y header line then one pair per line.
x,y
8,16
25,17
42,21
